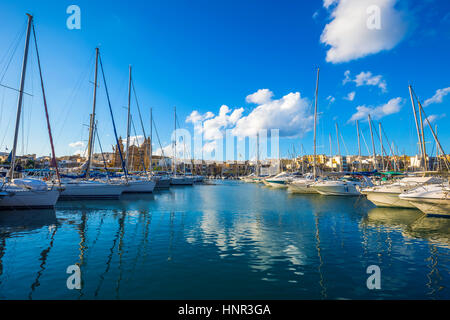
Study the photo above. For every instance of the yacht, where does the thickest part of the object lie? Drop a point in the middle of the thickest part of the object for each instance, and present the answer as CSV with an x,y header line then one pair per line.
x,y
162,182
387,195
279,181
138,185
27,194
342,187
432,199
302,185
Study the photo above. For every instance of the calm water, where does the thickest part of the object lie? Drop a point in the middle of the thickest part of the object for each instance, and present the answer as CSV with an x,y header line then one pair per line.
x,y
229,240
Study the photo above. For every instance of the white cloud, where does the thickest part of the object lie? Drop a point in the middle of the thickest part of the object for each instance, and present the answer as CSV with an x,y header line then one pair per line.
x,y
350,96
290,114
393,106
168,151
331,99
350,38
259,97
77,144
366,79
434,117
437,97
134,140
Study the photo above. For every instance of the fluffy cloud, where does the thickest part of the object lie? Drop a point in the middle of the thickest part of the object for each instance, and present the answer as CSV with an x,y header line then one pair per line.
x,y
348,34
433,117
437,97
331,99
134,140
366,79
290,114
350,96
259,97
393,106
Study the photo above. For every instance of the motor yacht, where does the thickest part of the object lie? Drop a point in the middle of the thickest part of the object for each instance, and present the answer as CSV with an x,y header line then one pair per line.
x,y
432,199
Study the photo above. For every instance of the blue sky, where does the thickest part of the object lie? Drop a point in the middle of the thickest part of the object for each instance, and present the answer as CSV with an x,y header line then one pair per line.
x,y
200,55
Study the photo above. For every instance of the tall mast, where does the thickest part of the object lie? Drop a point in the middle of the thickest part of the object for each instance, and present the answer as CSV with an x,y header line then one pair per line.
x,y
415,119
315,122
55,163
424,150
20,99
92,122
175,142
128,118
257,154
151,141
359,146
373,144
339,147
381,145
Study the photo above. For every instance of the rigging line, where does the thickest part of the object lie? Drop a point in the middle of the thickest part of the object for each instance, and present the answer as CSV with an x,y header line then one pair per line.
x,y
159,142
365,143
112,119
65,110
141,155
13,52
101,151
139,109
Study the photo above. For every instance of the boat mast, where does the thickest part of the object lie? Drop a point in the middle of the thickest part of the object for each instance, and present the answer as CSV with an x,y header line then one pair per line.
x,y
381,146
55,163
257,154
128,119
339,147
315,123
375,166
20,99
415,119
424,150
92,122
151,141
175,142
331,152
359,146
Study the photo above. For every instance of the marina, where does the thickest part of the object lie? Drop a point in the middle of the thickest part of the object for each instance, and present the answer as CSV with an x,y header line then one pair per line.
x,y
194,243
119,194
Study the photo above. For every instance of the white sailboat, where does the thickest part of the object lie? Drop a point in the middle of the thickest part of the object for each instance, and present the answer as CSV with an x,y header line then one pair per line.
x,y
26,193
90,189
281,180
433,199
387,195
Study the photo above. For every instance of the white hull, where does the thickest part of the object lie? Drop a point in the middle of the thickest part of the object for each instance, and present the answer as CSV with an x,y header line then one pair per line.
x,y
28,199
91,190
387,199
301,188
336,190
432,206
277,185
139,186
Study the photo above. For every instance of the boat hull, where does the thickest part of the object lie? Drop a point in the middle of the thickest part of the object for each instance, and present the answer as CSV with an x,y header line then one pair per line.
x,y
349,190
301,188
276,184
181,181
139,186
163,183
387,199
88,191
440,207
27,199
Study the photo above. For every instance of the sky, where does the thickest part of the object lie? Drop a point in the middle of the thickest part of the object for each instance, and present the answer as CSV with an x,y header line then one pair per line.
x,y
237,65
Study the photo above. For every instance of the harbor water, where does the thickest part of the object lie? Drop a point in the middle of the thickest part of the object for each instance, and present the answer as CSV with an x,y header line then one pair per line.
x,y
225,241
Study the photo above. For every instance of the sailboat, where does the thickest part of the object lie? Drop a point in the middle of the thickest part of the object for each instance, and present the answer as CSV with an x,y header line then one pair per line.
x,y
26,193
86,188
133,183
303,184
181,180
